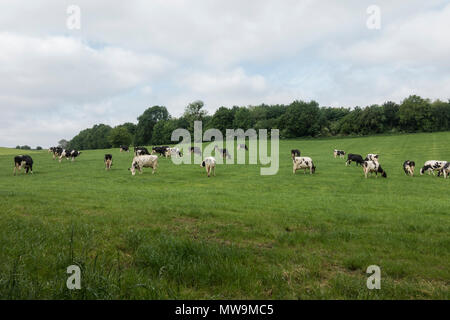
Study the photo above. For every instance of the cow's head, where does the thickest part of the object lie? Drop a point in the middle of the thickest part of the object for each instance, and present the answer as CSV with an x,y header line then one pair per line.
x,y
313,169
203,164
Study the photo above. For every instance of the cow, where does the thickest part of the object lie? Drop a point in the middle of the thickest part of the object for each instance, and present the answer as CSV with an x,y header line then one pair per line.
x,y
209,164
408,167
144,161
354,157
195,150
57,151
69,154
223,152
432,165
24,161
242,146
64,153
446,170
124,149
373,166
161,150
371,157
108,161
74,154
303,163
339,153
173,152
140,151
295,153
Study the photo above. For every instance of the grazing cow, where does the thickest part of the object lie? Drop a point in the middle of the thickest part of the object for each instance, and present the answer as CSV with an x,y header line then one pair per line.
x,y
69,154
209,164
432,165
173,152
124,149
242,146
303,163
23,161
446,170
408,167
144,161
74,154
195,150
57,151
354,157
373,166
140,151
161,150
295,153
371,157
339,153
223,152
108,161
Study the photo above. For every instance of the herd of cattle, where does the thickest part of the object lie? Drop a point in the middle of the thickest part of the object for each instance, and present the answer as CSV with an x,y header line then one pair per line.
x,y
144,159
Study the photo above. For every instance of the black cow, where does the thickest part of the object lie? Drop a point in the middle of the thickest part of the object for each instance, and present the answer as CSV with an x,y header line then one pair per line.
x,y
139,151
295,153
339,153
23,161
108,161
161,150
354,157
124,149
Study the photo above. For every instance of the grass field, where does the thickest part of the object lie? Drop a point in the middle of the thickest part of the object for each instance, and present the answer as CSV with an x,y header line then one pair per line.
x,y
239,235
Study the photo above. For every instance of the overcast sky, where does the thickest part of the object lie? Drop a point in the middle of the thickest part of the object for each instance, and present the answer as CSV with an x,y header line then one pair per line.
x,y
130,55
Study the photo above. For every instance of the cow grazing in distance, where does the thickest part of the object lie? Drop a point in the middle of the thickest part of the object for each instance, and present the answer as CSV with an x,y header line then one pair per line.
x,y
24,161
354,157
209,164
432,165
74,154
223,152
446,170
409,167
195,150
69,154
371,157
161,150
57,151
242,146
295,153
144,161
173,152
303,163
108,161
124,149
373,166
339,153
140,151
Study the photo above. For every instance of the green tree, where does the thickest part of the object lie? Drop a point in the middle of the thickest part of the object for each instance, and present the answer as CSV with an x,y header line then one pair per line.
x,y
120,136
194,112
147,121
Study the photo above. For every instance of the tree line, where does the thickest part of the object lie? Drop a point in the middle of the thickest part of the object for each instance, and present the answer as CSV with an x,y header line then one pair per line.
x,y
295,120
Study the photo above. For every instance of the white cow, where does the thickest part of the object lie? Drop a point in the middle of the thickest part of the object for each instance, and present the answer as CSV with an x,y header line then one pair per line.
x,y
303,163
144,161
432,165
373,166
209,164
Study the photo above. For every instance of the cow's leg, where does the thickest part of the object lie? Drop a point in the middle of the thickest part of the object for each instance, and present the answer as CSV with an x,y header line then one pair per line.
x,y
214,171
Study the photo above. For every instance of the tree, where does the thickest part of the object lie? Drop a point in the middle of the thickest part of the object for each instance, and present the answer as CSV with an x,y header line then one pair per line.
x,y
301,119
63,143
415,114
147,121
222,119
120,136
38,148
25,147
194,112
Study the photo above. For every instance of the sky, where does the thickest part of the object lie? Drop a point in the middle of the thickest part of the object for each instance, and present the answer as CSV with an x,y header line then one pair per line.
x,y
56,79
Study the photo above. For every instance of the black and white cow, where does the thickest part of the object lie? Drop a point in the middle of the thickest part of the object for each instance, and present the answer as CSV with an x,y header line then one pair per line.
x,y
161,150
108,161
339,153
409,167
371,157
303,163
432,165
354,157
57,151
195,150
124,149
446,170
69,154
373,166
242,146
295,153
140,151
24,161
223,152
209,164
144,161
170,152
